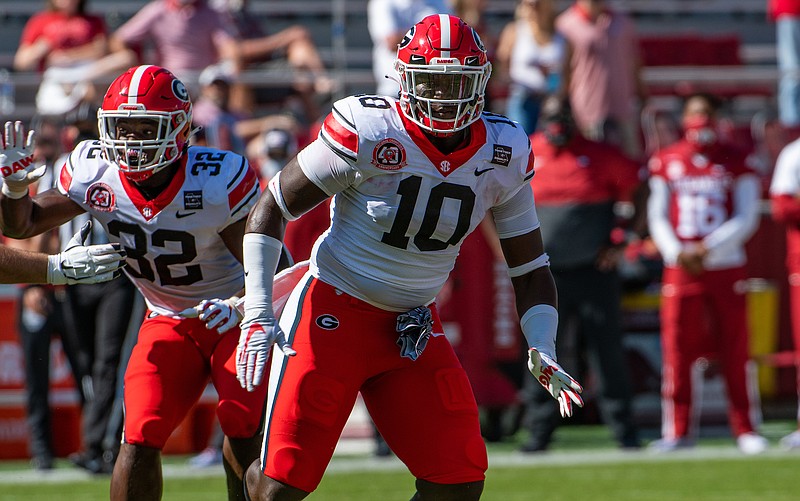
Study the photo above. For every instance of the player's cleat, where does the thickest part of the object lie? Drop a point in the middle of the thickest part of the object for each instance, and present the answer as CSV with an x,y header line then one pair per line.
x,y
93,463
671,444
791,441
751,443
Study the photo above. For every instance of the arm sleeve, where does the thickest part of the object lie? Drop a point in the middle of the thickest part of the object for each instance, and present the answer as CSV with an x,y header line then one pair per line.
x,y
786,209
743,222
658,220
517,216
64,173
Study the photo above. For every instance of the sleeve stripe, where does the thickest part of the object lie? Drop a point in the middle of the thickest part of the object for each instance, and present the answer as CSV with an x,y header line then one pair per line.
x,y
238,173
245,203
247,184
342,118
341,153
529,167
65,178
339,135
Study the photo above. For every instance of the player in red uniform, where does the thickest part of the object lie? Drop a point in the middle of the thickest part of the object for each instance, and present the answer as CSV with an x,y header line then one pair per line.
x,y
410,179
702,209
785,195
179,212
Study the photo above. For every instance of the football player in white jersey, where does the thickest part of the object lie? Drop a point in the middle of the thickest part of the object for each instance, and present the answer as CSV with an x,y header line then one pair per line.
x,y
179,212
410,179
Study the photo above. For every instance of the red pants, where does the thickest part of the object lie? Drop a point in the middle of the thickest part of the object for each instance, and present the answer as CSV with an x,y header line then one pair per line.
x,y
703,316
424,409
168,370
794,308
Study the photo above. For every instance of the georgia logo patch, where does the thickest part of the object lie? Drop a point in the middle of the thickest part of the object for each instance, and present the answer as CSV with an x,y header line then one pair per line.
x,y
100,197
389,154
327,322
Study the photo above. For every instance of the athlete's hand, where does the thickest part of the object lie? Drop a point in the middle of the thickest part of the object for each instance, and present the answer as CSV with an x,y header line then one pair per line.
x,y
85,264
221,314
16,160
260,330
555,380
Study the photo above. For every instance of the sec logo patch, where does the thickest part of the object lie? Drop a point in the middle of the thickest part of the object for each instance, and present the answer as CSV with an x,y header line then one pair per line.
x,y
327,322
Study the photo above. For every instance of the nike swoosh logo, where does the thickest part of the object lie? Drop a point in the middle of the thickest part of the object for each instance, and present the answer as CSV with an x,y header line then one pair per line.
x,y
180,214
484,171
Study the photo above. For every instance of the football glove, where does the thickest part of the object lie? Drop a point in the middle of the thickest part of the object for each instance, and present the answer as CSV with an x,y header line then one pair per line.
x,y
222,314
85,264
555,380
16,160
259,331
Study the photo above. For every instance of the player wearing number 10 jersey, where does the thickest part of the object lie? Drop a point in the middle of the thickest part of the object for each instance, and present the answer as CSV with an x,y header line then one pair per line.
x,y
410,179
703,208
179,212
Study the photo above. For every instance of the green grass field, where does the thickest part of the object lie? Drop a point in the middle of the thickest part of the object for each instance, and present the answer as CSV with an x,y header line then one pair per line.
x,y
583,465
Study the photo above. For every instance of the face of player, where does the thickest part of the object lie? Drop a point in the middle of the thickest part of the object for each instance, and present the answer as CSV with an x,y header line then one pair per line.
x,y
442,87
699,122
136,129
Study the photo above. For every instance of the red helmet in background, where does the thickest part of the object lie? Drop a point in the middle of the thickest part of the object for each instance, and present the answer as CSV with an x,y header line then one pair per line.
x,y
147,93
443,69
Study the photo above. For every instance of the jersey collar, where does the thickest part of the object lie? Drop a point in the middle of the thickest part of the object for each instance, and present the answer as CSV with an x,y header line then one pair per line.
x,y
150,208
445,164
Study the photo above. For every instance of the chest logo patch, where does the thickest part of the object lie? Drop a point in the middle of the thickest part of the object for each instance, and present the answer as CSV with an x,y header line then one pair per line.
x,y
193,199
327,322
100,197
501,155
389,154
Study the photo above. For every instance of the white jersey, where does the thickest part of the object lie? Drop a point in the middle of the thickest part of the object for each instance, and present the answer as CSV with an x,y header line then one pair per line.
x,y
176,256
401,208
786,178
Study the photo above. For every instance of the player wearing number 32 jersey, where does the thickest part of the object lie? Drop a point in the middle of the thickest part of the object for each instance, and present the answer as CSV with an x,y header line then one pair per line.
x,y
173,241
179,212
410,179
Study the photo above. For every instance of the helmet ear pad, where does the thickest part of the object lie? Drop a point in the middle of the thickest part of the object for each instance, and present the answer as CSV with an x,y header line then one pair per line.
x,y
145,92
442,48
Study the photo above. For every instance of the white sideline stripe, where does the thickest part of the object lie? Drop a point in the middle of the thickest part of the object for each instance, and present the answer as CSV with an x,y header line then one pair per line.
x,y
342,464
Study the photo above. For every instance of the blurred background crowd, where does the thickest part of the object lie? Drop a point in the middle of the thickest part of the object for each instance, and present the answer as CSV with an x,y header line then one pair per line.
x,y
616,75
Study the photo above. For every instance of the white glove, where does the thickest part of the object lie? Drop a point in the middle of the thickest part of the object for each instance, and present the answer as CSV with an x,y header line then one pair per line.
x,y
16,160
259,333
220,313
82,264
555,380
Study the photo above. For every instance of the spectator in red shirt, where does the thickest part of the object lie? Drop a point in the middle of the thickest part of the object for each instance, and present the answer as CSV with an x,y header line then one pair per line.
x,y
61,35
63,42
576,186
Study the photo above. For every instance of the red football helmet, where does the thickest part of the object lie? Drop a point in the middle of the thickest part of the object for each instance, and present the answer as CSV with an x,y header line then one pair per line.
x,y
145,93
443,69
